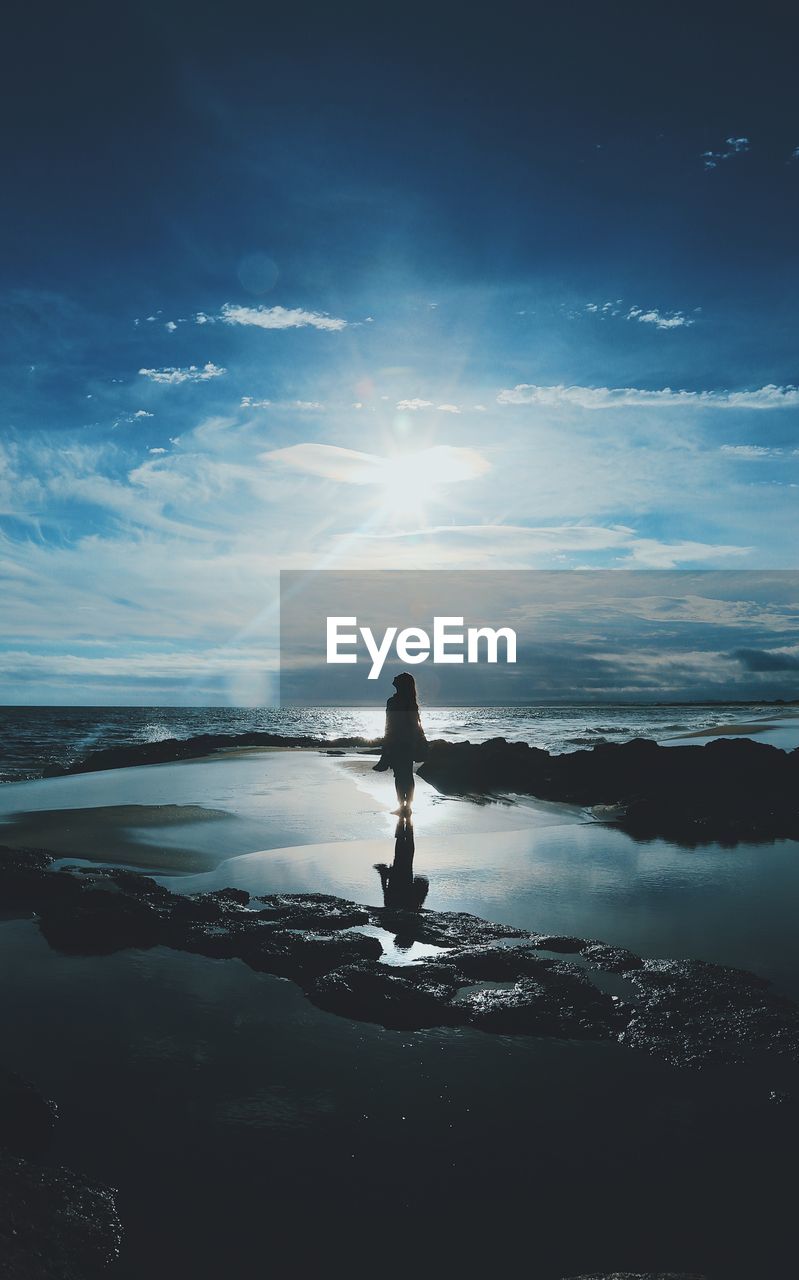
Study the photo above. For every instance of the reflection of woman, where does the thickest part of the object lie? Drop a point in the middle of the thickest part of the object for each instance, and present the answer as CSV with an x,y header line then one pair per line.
x,y
403,740
402,890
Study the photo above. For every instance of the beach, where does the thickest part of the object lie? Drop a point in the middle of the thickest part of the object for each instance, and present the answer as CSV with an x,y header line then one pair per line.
x,y
230,1112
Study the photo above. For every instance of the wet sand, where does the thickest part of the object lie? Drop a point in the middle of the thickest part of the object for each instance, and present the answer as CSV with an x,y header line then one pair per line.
x,y
777,731
194,815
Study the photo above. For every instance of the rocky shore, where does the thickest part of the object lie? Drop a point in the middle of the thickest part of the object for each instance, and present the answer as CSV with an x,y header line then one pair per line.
x,y
488,976
170,750
728,790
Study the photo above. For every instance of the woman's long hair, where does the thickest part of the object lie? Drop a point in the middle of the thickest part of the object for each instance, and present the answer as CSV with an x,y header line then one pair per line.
x,y
406,693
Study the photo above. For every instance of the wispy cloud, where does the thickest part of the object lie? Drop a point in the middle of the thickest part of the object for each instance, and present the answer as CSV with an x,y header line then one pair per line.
x,y
768,397
349,466
448,408
750,452
276,317
414,405
516,544
734,147
138,416
191,374
247,402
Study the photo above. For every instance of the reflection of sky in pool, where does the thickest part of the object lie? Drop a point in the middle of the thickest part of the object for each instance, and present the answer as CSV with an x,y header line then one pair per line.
x,y
227,1109
320,823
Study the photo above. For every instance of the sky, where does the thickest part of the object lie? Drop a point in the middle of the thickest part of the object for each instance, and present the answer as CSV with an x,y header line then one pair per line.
x,y
357,287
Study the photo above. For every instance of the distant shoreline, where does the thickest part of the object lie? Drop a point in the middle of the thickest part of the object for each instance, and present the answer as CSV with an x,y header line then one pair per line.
x,y
554,703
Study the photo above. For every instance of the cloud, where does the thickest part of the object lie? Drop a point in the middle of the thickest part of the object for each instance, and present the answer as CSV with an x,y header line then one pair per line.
x,y
735,147
413,405
767,659
650,315
649,553
750,452
331,462
191,374
448,408
138,416
247,402
171,326
156,450
660,319
278,318
768,397
516,543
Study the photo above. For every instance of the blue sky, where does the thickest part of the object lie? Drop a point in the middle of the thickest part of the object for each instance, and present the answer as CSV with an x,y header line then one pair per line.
x,y
349,289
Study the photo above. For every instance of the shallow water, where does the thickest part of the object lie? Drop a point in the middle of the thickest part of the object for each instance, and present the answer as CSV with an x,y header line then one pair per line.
x,y
246,1129
307,822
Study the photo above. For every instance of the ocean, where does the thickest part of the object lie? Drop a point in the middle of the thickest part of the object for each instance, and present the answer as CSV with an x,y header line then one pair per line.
x,y
33,738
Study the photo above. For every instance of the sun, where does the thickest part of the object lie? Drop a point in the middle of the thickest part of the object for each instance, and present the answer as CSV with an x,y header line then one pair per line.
x,y
409,482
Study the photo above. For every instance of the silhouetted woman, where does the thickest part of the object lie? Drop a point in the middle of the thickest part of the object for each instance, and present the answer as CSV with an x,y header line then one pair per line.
x,y
403,740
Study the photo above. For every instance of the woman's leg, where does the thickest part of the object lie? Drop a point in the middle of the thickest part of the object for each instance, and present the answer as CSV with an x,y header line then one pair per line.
x,y
404,783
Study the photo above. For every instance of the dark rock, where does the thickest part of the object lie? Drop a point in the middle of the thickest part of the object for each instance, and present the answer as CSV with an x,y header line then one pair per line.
x,y
221,905
54,1224
217,941
385,995
559,942
304,955
690,1013
131,882
316,911
685,1012
445,928
235,897
639,1275
168,750
27,1118
729,789
612,959
561,1003
99,921
25,877
495,964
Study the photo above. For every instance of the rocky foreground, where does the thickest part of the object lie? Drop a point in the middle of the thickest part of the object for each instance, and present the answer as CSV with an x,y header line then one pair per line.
x,y
686,1012
54,1223
728,790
